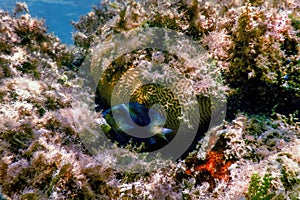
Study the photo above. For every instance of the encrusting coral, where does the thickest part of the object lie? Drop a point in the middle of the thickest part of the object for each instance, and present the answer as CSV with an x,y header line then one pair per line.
x,y
44,127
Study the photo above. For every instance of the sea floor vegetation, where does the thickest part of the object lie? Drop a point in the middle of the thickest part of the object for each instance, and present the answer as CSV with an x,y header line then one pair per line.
x,y
45,125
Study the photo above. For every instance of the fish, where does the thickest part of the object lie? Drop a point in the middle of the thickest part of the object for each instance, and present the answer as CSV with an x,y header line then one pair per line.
x,y
148,81
134,122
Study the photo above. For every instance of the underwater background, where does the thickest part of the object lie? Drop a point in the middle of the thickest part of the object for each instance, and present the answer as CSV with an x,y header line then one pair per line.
x,y
57,13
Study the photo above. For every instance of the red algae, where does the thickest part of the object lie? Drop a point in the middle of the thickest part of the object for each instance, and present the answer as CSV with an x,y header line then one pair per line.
x,y
213,167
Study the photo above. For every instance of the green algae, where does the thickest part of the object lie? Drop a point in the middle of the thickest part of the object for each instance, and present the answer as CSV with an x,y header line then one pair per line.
x,y
259,187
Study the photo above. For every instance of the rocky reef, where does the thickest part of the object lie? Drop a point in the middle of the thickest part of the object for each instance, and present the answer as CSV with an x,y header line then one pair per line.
x,y
255,44
48,112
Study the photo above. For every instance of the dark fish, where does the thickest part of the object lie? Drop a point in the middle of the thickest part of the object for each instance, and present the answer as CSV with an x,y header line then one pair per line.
x,y
135,123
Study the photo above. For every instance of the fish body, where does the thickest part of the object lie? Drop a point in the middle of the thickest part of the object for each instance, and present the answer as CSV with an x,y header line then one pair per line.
x,y
134,122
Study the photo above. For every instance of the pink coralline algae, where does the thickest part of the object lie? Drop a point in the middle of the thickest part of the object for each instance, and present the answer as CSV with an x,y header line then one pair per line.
x,y
44,127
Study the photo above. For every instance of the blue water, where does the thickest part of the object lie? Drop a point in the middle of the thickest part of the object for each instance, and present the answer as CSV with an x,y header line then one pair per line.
x,y
57,13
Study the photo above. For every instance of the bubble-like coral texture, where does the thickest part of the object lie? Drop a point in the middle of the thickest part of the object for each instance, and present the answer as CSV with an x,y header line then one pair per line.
x,y
44,128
